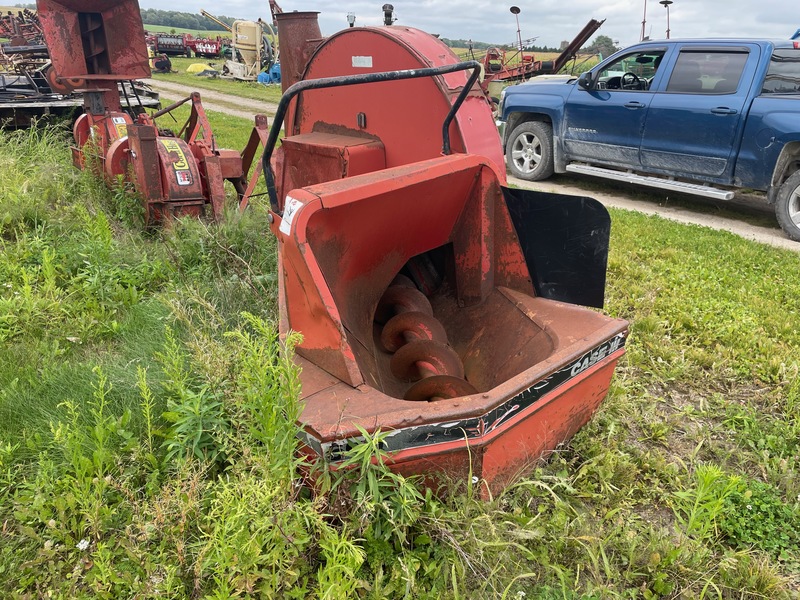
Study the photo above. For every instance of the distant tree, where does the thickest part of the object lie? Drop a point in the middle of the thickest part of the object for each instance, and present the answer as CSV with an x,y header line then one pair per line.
x,y
602,44
539,49
467,44
182,20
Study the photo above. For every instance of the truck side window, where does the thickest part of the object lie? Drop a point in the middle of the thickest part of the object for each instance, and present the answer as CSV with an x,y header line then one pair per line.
x,y
783,76
631,72
703,72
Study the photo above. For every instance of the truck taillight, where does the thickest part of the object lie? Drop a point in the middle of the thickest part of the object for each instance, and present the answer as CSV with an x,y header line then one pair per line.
x,y
796,45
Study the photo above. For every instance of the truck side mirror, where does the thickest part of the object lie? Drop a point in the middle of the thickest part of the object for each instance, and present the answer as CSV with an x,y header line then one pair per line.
x,y
586,81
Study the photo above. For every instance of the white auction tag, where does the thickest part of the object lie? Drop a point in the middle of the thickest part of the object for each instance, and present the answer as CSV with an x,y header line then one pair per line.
x,y
291,207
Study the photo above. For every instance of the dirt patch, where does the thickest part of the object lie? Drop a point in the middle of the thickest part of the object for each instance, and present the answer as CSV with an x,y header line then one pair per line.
x,y
215,101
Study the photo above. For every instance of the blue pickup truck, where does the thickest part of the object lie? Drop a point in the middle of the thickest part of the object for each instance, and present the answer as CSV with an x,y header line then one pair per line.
x,y
698,116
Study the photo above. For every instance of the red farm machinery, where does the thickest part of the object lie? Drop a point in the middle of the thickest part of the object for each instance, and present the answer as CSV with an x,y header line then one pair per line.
x,y
435,303
502,65
95,44
185,44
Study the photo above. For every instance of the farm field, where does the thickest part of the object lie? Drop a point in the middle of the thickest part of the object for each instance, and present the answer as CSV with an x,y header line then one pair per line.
x,y
195,32
6,9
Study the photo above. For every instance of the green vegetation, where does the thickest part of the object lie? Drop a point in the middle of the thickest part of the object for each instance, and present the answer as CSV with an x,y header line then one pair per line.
x,y
172,19
229,132
148,409
603,45
486,45
243,89
200,33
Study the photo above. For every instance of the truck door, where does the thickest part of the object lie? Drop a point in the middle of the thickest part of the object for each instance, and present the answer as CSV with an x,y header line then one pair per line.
x,y
605,125
696,114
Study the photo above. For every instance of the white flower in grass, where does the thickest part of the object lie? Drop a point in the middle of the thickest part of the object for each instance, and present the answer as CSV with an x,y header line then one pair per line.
x,y
83,545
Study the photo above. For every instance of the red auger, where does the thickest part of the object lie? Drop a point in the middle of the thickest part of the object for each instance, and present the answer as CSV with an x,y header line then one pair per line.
x,y
419,343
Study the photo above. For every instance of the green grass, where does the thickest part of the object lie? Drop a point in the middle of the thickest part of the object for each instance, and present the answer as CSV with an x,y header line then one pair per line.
x,y
229,131
244,89
148,408
195,32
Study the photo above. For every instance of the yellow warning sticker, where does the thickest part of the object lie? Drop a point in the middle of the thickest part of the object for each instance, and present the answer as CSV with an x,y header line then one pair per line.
x,y
181,165
121,126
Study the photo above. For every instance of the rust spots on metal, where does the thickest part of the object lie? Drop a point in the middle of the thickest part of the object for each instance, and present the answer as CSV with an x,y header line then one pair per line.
x,y
399,299
425,358
410,326
439,387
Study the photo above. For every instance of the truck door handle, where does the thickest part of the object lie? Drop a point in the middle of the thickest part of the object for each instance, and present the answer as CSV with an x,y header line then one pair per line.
x,y
724,110
634,104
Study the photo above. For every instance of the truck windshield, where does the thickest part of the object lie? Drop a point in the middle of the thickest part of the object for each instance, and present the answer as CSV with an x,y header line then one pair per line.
x,y
783,76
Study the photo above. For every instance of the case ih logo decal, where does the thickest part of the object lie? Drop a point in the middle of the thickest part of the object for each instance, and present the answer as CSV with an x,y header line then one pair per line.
x,y
595,356
179,165
474,427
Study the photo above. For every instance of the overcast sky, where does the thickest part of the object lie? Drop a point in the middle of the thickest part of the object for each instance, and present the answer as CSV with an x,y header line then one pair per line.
x,y
550,21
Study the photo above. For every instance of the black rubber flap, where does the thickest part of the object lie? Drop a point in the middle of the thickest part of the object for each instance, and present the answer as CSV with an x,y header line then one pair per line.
x,y
565,242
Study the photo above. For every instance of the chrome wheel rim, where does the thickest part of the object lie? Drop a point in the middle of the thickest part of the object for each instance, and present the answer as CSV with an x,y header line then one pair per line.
x,y
793,207
526,152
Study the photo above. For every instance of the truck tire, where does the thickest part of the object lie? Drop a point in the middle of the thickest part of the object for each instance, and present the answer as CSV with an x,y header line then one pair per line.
x,y
529,151
787,207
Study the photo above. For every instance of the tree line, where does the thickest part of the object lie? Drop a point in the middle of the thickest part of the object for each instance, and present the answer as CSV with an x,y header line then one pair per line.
x,y
484,45
183,20
171,18
602,44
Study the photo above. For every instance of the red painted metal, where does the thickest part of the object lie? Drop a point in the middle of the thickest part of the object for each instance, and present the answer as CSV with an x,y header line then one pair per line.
x,y
469,371
103,131
513,378
84,43
425,358
192,169
418,344
299,34
410,326
314,157
456,357
499,67
386,111
95,44
206,47
166,44
98,43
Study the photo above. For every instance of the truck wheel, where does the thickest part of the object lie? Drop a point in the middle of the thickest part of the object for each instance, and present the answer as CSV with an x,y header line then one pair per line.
x,y
529,151
787,208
